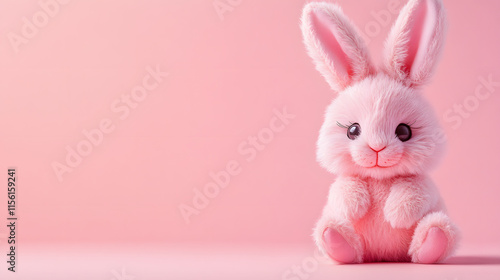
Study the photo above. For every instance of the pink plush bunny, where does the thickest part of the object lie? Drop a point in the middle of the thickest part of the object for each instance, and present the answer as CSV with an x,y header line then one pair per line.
x,y
380,136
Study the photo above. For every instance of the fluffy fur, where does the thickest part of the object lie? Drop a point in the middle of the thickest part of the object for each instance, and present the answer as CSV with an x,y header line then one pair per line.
x,y
383,204
415,42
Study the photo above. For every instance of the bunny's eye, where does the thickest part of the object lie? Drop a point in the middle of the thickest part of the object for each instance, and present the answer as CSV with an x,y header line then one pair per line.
x,y
403,132
353,131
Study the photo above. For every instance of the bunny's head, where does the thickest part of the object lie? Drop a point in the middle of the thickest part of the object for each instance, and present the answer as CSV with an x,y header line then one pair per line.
x,y
379,125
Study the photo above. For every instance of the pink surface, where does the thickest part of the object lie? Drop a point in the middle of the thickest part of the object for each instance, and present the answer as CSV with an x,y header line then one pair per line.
x,y
231,76
236,262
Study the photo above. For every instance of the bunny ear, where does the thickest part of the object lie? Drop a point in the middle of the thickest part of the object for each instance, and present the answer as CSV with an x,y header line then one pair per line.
x,y
415,42
332,41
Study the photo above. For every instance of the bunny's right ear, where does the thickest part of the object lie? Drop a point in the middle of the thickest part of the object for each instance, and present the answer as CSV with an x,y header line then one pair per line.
x,y
333,43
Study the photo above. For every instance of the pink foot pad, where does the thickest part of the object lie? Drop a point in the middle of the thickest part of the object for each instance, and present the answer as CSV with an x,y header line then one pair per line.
x,y
433,247
337,247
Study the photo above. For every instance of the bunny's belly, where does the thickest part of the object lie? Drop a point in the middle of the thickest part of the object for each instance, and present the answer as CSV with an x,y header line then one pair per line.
x,y
382,242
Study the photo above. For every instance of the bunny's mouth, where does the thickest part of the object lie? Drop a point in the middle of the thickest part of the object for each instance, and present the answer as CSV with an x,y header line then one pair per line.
x,y
376,160
378,166
388,163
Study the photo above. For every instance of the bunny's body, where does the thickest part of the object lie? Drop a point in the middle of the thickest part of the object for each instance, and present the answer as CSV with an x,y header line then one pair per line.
x,y
380,136
382,231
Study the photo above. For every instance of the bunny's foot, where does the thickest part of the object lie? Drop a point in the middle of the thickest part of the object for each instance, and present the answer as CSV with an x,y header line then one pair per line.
x,y
340,242
337,247
434,246
434,240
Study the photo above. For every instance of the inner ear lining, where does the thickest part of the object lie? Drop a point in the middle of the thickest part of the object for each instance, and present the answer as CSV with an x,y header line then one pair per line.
x,y
416,27
328,35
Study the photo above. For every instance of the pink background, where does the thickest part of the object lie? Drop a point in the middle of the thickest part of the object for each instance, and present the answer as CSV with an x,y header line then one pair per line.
x,y
226,76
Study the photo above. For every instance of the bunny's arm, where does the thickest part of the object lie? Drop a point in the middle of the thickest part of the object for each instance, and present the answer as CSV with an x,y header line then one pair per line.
x,y
348,199
409,200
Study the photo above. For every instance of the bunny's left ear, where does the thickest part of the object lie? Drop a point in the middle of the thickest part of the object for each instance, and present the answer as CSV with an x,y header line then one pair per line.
x,y
415,42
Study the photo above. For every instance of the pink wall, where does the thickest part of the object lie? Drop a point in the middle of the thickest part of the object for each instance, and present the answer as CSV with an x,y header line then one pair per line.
x,y
227,77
